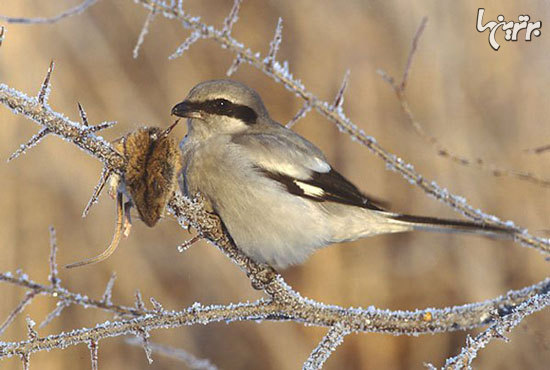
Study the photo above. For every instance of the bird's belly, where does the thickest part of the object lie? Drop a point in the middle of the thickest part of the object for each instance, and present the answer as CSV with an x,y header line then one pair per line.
x,y
267,223
272,229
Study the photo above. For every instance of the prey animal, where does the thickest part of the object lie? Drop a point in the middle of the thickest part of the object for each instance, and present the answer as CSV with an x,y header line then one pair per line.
x,y
153,163
274,191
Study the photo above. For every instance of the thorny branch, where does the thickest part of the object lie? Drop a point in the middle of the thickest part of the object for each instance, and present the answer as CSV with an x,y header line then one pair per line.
x,y
440,149
283,303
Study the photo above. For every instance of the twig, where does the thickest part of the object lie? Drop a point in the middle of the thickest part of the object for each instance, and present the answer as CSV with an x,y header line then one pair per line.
x,y
326,347
414,46
299,115
108,294
54,279
503,324
68,13
440,149
93,345
275,44
144,32
17,310
105,174
232,18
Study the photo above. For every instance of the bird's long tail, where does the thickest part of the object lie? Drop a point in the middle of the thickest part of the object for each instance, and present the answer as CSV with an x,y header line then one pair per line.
x,y
442,225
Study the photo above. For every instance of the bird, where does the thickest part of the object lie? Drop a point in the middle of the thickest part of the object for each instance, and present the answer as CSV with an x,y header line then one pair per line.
x,y
275,192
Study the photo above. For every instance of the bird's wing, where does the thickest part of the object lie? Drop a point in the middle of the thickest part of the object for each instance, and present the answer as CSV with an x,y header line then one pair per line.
x,y
300,167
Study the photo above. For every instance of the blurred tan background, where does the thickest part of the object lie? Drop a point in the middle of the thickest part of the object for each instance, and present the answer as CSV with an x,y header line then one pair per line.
x,y
477,101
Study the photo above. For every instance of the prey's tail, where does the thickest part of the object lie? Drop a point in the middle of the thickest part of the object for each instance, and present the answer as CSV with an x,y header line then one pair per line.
x,y
442,225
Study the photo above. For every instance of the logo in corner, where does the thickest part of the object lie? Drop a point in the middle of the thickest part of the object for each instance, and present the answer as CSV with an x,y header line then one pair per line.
x,y
512,29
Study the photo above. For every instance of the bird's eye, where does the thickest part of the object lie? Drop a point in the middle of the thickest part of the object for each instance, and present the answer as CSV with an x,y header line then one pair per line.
x,y
222,103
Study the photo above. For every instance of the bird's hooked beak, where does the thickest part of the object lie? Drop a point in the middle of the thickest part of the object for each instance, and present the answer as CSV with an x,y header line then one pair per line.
x,y
187,109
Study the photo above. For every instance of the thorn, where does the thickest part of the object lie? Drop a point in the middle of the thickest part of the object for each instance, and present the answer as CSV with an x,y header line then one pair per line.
x,y
139,301
232,18
53,264
35,139
275,43
83,116
45,88
188,243
156,305
107,295
180,7
235,65
193,37
102,126
33,335
339,99
301,114
105,174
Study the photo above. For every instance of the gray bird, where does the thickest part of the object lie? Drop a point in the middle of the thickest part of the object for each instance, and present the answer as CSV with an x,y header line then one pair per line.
x,y
275,192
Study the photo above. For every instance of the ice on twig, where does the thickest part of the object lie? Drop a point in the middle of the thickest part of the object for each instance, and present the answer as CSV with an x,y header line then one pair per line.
x,y
93,345
233,67
44,92
144,31
274,44
54,313
107,295
339,99
35,139
299,115
105,174
232,18
17,310
54,279
193,37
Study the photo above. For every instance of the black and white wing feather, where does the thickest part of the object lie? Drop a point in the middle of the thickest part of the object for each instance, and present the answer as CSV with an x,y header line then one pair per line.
x,y
301,168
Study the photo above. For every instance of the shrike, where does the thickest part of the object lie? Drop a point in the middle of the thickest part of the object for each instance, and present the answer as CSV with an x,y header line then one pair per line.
x,y
275,192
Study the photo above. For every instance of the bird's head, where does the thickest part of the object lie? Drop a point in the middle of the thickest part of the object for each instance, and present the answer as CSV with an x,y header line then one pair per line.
x,y
221,107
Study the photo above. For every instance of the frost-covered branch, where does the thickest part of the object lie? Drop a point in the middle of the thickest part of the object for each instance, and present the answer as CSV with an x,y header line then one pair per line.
x,y
502,324
280,73
68,13
440,149
284,303
326,347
